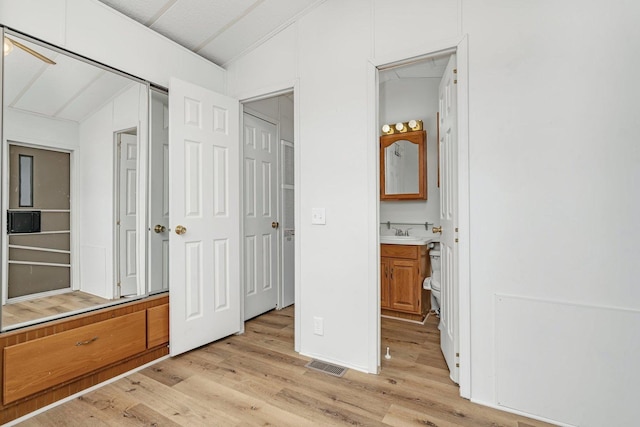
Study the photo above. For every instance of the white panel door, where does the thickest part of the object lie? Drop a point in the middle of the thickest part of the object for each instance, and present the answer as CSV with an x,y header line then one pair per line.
x,y
204,282
261,258
449,218
159,194
128,202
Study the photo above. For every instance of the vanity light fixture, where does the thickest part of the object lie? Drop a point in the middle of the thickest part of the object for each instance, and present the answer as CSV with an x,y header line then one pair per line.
x,y
402,127
415,124
388,130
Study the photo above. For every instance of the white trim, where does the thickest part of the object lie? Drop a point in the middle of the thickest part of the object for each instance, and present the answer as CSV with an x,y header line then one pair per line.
x,y
44,264
83,392
41,210
393,59
40,232
464,231
39,249
521,413
373,247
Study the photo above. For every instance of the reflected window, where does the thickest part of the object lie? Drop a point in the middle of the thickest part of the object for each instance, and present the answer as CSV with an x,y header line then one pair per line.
x,y
26,181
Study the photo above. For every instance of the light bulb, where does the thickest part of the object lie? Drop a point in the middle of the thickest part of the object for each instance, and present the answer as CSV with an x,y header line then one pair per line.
x,y
413,124
8,46
400,127
386,128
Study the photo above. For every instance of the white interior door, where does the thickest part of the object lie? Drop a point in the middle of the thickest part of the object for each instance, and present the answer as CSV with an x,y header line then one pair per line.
x,y
204,188
261,257
128,202
159,194
449,217
287,225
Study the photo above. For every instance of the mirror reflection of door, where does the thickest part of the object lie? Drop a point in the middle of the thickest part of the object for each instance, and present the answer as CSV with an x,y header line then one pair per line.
x,y
126,234
39,260
159,193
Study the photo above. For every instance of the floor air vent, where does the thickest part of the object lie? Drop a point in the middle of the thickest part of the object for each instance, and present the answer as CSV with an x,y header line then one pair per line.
x,y
327,368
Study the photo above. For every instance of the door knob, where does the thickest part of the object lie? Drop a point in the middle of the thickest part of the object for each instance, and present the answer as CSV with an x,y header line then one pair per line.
x,y
275,224
159,228
180,229
436,229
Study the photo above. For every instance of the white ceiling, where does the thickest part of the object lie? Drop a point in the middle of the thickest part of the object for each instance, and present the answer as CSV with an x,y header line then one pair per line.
x,y
219,30
69,90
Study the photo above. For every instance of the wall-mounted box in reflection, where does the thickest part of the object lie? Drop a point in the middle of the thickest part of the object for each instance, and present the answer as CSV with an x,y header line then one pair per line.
x,y
23,222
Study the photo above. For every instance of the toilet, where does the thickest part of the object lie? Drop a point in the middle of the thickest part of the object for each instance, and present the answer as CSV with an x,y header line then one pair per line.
x,y
434,256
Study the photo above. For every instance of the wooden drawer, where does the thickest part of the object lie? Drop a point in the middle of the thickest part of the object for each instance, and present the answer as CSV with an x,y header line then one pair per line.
x,y
400,251
36,365
157,325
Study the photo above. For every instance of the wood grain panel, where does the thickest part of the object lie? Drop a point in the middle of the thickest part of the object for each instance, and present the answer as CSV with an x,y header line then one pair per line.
x,y
399,251
29,404
157,325
70,354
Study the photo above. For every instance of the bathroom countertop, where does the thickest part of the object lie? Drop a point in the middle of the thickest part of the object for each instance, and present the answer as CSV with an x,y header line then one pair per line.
x,y
408,240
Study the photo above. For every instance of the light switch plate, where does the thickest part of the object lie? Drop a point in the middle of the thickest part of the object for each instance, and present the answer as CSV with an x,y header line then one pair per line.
x,y
318,326
318,216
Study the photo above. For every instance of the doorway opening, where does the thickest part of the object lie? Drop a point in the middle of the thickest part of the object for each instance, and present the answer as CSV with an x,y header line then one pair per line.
x,y
421,285
268,238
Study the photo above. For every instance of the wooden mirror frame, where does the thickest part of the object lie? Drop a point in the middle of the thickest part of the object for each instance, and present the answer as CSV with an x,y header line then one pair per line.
x,y
418,137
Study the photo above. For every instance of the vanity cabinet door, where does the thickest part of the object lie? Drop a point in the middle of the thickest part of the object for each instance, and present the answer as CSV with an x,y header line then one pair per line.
x,y
404,294
384,283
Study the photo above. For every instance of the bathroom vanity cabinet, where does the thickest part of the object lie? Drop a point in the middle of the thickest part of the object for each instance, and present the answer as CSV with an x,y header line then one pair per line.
x,y
403,268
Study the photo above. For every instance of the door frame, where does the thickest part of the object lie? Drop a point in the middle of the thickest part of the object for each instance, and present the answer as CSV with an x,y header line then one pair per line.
x,y
460,46
291,86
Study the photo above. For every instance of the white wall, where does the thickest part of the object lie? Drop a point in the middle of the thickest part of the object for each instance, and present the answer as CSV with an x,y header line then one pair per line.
x,y
553,177
92,29
402,100
20,126
96,184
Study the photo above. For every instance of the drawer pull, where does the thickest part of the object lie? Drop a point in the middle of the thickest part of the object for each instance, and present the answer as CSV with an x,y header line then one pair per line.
x,y
89,341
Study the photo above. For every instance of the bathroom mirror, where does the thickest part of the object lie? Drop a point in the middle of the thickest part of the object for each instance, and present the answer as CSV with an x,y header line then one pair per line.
x,y
403,166
77,201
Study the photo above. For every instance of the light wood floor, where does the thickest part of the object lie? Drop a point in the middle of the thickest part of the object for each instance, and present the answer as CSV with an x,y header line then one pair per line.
x,y
257,379
54,305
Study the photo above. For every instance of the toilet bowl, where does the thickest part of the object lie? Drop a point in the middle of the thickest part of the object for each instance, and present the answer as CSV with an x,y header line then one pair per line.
x,y
434,256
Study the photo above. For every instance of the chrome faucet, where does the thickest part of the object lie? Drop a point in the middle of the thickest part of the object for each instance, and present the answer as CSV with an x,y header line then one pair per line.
x,y
400,232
